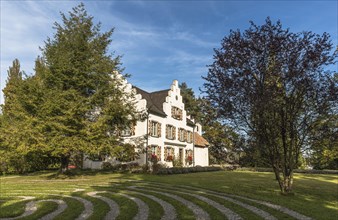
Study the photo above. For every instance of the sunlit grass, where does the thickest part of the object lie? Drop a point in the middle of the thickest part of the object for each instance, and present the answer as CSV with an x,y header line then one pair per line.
x,y
314,195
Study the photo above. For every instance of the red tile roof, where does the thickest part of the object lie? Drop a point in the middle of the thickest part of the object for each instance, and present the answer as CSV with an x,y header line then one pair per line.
x,y
200,141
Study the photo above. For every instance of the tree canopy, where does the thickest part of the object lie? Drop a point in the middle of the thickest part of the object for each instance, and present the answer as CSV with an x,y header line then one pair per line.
x,y
75,102
273,85
223,139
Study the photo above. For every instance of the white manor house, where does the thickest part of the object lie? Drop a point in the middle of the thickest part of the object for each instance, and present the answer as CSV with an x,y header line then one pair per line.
x,y
172,134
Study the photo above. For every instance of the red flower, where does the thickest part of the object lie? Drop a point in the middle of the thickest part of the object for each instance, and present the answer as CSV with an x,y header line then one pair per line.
x,y
169,158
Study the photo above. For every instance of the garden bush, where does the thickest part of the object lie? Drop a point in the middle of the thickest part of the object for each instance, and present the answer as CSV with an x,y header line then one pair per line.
x,y
267,169
181,170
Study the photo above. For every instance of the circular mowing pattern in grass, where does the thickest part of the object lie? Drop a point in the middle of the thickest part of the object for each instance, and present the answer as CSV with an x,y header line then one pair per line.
x,y
153,191
31,208
225,211
198,211
88,207
285,210
143,209
61,207
114,207
169,210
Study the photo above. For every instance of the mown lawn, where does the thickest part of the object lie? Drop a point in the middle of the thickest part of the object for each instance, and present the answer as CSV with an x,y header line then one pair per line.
x,y
315,195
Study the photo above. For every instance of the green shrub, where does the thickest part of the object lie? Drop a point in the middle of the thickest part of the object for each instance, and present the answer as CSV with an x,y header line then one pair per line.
x,y
181,170
106,166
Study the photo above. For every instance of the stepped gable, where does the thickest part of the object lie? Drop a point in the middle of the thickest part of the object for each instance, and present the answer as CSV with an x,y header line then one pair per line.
x,y
190,122
154,100
200,141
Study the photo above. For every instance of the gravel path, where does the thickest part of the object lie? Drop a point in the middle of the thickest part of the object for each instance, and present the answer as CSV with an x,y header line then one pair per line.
x,y
225,211
61,207
114,207
88,206
169,210
143,209
29,209
257,211
198,212
285,210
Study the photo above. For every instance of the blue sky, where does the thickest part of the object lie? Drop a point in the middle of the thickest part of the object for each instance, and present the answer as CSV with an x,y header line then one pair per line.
x,y
160,40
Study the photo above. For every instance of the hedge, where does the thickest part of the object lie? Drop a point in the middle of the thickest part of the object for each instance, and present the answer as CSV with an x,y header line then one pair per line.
x,y
180,170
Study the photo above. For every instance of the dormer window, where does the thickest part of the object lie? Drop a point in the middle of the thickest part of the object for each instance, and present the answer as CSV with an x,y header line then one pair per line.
x,y
176,113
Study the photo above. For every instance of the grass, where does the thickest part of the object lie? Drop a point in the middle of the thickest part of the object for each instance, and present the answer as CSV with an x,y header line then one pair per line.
x,y
216,214
155,209
128,208
315,195
12,208
182,212
44,208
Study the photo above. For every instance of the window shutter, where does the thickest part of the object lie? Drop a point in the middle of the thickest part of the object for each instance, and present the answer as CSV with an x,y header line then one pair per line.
x,y
118,133
149,152
158,129
150,126
132,130
172,111
165,153
189,136
167,131
172,152
185,135
174,133
158,153
180,112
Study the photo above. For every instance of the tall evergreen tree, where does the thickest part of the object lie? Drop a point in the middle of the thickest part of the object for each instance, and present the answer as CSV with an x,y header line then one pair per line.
x,y
85,102
12,90
18,134
76,102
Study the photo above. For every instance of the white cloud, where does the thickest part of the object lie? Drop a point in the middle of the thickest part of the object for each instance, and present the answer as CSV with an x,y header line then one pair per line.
x,y
25,25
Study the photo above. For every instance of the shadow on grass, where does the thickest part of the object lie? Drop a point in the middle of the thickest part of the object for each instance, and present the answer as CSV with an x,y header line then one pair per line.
x,y
75,173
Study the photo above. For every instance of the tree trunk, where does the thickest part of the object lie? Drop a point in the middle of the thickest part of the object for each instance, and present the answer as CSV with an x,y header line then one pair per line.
x,y
278,178
64,163
287,183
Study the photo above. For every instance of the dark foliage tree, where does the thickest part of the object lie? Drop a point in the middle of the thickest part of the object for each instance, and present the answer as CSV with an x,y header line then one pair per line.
x,y
191,103
271,83
222,139
324,144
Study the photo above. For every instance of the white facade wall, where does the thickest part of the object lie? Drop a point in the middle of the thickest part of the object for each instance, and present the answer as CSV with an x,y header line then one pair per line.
x,y
173,98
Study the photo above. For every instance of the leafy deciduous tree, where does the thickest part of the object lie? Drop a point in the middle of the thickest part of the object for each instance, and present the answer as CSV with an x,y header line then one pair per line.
x,y
271,83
